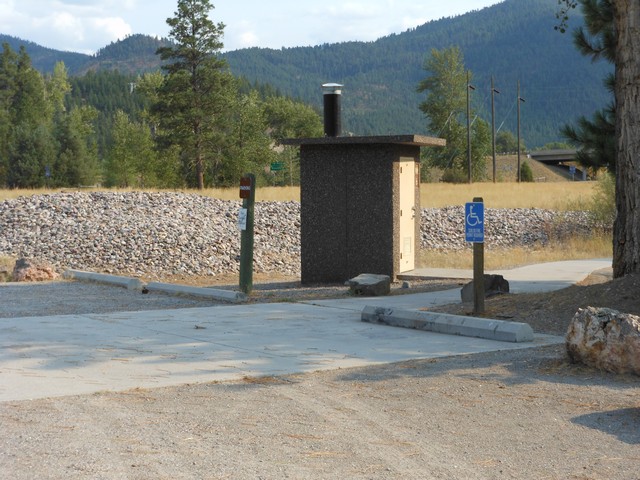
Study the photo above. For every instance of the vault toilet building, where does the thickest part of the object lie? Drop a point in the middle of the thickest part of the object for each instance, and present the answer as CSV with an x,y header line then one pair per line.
x,y
360,200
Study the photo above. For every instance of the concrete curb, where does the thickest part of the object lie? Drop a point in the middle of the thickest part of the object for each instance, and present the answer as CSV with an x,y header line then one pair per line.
x,y
499,330
216,294
137,284
126,282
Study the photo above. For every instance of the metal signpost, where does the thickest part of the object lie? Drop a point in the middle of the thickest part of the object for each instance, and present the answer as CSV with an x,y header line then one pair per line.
x,y
474,232
245,223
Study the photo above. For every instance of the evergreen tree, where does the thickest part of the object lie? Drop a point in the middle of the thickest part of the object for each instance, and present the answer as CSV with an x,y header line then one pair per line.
x,y
595,137
8,74
30,139
625,42
195,97
40,142
30,150
77,159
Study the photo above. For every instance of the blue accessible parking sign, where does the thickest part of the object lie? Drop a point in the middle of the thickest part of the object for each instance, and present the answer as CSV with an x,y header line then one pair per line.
x,y
474,222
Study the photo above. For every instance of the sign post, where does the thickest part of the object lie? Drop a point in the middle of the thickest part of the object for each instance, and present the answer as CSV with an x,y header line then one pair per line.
x,y
474,232
245,223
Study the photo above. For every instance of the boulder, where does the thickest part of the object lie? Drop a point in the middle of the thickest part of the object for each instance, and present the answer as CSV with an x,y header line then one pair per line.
x,y
605,339
370,285
28,270
493,285
5,274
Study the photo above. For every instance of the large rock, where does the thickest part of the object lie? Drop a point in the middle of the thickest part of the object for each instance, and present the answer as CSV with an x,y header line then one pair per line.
x,y
370,285
5,274
605,339
28,270
493,285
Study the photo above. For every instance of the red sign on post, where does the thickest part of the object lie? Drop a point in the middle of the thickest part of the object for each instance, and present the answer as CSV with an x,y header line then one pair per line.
x,y
245,187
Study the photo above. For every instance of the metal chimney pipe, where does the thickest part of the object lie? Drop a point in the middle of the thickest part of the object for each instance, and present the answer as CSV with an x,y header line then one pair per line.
x,y
332,93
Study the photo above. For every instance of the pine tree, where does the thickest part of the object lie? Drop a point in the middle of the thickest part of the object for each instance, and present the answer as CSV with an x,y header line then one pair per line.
x,y
30,140
595,137
77,158
625,42
194,100
8,73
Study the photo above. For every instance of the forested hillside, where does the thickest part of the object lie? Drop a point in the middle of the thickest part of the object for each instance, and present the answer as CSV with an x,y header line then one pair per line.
x,y
134,54
514,40
44,59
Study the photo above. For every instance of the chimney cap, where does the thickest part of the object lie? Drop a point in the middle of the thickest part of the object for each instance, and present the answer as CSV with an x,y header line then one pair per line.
x,y
332,88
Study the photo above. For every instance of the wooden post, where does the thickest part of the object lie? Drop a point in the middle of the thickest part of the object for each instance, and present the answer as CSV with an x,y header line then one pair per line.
x,y
248,195
478,273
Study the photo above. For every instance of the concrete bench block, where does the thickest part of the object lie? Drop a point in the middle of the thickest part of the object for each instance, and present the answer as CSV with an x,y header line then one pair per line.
x,y
499,330
126,282
213,293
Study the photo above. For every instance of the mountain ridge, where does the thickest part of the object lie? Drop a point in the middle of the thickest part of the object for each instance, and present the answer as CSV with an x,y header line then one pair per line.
x,y
511,41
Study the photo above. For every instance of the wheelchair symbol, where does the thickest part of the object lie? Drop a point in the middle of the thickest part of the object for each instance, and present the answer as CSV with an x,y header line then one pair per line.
x,y
472,219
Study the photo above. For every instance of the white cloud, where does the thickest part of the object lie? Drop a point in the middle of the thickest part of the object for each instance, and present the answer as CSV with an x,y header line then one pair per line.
x,y
87,25
242,34
74,25
411,22
116,27
248,39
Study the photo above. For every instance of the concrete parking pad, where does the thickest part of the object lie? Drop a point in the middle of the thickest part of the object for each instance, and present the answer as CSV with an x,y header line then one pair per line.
x,y
78,354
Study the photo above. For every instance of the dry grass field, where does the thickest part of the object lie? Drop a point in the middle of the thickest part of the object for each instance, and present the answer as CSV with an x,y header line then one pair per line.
x,y
262,194
598,246
553,196
554,192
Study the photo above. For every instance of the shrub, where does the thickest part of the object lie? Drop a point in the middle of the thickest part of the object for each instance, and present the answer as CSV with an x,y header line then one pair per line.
x,y
454,175
602,207
526,174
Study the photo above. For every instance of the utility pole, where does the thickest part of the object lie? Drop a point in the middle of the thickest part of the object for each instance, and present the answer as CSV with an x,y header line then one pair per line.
x,y
519,99
469,88
493,127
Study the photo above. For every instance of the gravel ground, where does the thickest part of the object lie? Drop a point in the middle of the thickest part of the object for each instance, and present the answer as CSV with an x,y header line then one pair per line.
x,y
516,414
72,298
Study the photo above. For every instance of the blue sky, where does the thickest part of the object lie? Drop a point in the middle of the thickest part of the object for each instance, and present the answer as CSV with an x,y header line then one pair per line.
x,y
87,25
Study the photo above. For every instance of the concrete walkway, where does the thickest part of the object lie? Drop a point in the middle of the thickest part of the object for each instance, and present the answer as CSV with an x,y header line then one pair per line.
x,y
78,354
542,277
